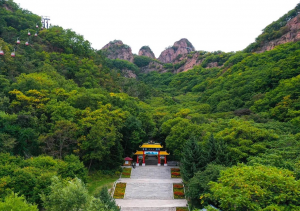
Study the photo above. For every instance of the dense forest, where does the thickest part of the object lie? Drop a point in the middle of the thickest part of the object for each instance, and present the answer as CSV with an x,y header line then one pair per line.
x,y
67,110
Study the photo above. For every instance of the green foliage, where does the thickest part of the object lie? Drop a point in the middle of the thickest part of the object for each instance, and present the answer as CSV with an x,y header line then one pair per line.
x,y
274,30
219,57
61,98
13,202
32,176
71,195
142,61
121,65
198,185
256,188
107,199
192,159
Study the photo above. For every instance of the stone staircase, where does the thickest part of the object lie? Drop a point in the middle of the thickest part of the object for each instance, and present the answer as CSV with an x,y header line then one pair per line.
x,y
150,188
151,172
161,191
148,209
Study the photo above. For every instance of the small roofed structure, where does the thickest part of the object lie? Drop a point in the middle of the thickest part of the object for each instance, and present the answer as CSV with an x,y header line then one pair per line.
x,y
127,161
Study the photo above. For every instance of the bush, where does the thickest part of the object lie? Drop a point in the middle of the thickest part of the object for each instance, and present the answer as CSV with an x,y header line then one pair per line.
x,y
13,202
176,173
142,61
177,193
120,191
256,188
182,209
177,186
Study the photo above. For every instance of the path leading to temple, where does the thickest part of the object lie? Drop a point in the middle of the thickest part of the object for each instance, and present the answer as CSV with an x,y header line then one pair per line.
x,y
150,188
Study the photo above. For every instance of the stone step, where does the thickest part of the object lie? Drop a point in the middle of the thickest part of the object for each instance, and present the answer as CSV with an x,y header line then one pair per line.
x,y
160,191
148,209
151,172
157,204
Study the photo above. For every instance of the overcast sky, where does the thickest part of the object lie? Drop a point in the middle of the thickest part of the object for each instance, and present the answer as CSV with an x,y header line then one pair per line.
x,y
227,25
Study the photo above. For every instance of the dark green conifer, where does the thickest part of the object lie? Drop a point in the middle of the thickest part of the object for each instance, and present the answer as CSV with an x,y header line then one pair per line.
x,y
192,159
107,199
211,150
222,156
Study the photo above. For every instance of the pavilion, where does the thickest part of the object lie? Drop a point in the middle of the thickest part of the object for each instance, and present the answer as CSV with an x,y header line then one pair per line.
x,y
152,149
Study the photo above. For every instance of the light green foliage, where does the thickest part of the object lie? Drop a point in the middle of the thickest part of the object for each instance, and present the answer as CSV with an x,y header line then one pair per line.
x,y
243,139
60,97
66,195
71,196
13,202
179,134
31,177
256,188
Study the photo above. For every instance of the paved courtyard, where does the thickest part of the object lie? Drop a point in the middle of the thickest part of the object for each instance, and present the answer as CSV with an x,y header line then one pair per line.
x,y
149,191
151,172
150,188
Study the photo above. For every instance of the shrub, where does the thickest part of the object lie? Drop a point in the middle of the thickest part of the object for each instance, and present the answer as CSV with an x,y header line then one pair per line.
x,y
142,61
176,173
177,186
182,209
120,191
177,193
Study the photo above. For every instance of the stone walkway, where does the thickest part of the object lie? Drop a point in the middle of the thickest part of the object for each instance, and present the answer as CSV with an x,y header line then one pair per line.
x,y
150,188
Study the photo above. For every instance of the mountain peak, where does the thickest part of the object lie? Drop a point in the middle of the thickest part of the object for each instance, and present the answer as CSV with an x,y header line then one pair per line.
x,y
181,47
146,51
118,50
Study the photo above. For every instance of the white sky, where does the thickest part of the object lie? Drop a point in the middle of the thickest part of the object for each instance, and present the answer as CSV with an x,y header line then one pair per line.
x,y
227,25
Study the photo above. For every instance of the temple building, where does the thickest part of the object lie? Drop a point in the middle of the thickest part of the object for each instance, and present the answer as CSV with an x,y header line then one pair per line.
x,y
151,149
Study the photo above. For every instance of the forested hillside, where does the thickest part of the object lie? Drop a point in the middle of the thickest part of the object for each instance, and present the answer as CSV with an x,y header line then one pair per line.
x,y
66,110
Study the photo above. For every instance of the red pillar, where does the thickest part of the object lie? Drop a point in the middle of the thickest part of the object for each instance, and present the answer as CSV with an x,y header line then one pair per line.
x,y
165,159
137,158
159,158
143,157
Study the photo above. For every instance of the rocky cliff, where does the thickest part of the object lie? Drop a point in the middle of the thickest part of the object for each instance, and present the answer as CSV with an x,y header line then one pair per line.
x,y
117,50
146,51
180,48
292,34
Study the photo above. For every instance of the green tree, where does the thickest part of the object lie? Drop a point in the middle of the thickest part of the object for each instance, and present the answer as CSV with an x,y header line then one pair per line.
x,y
256,188
192,159
66,196
7,143
13,202
107,199
71,196
62,141
198,185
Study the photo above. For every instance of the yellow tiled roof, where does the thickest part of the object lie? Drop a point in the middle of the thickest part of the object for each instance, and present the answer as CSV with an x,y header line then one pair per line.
x,y
151,146
139,153
161,153
164,153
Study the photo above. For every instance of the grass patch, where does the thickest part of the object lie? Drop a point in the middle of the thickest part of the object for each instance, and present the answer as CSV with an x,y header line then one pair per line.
x,y
97,180
120,191
182,209
175,173
126,172
178,191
